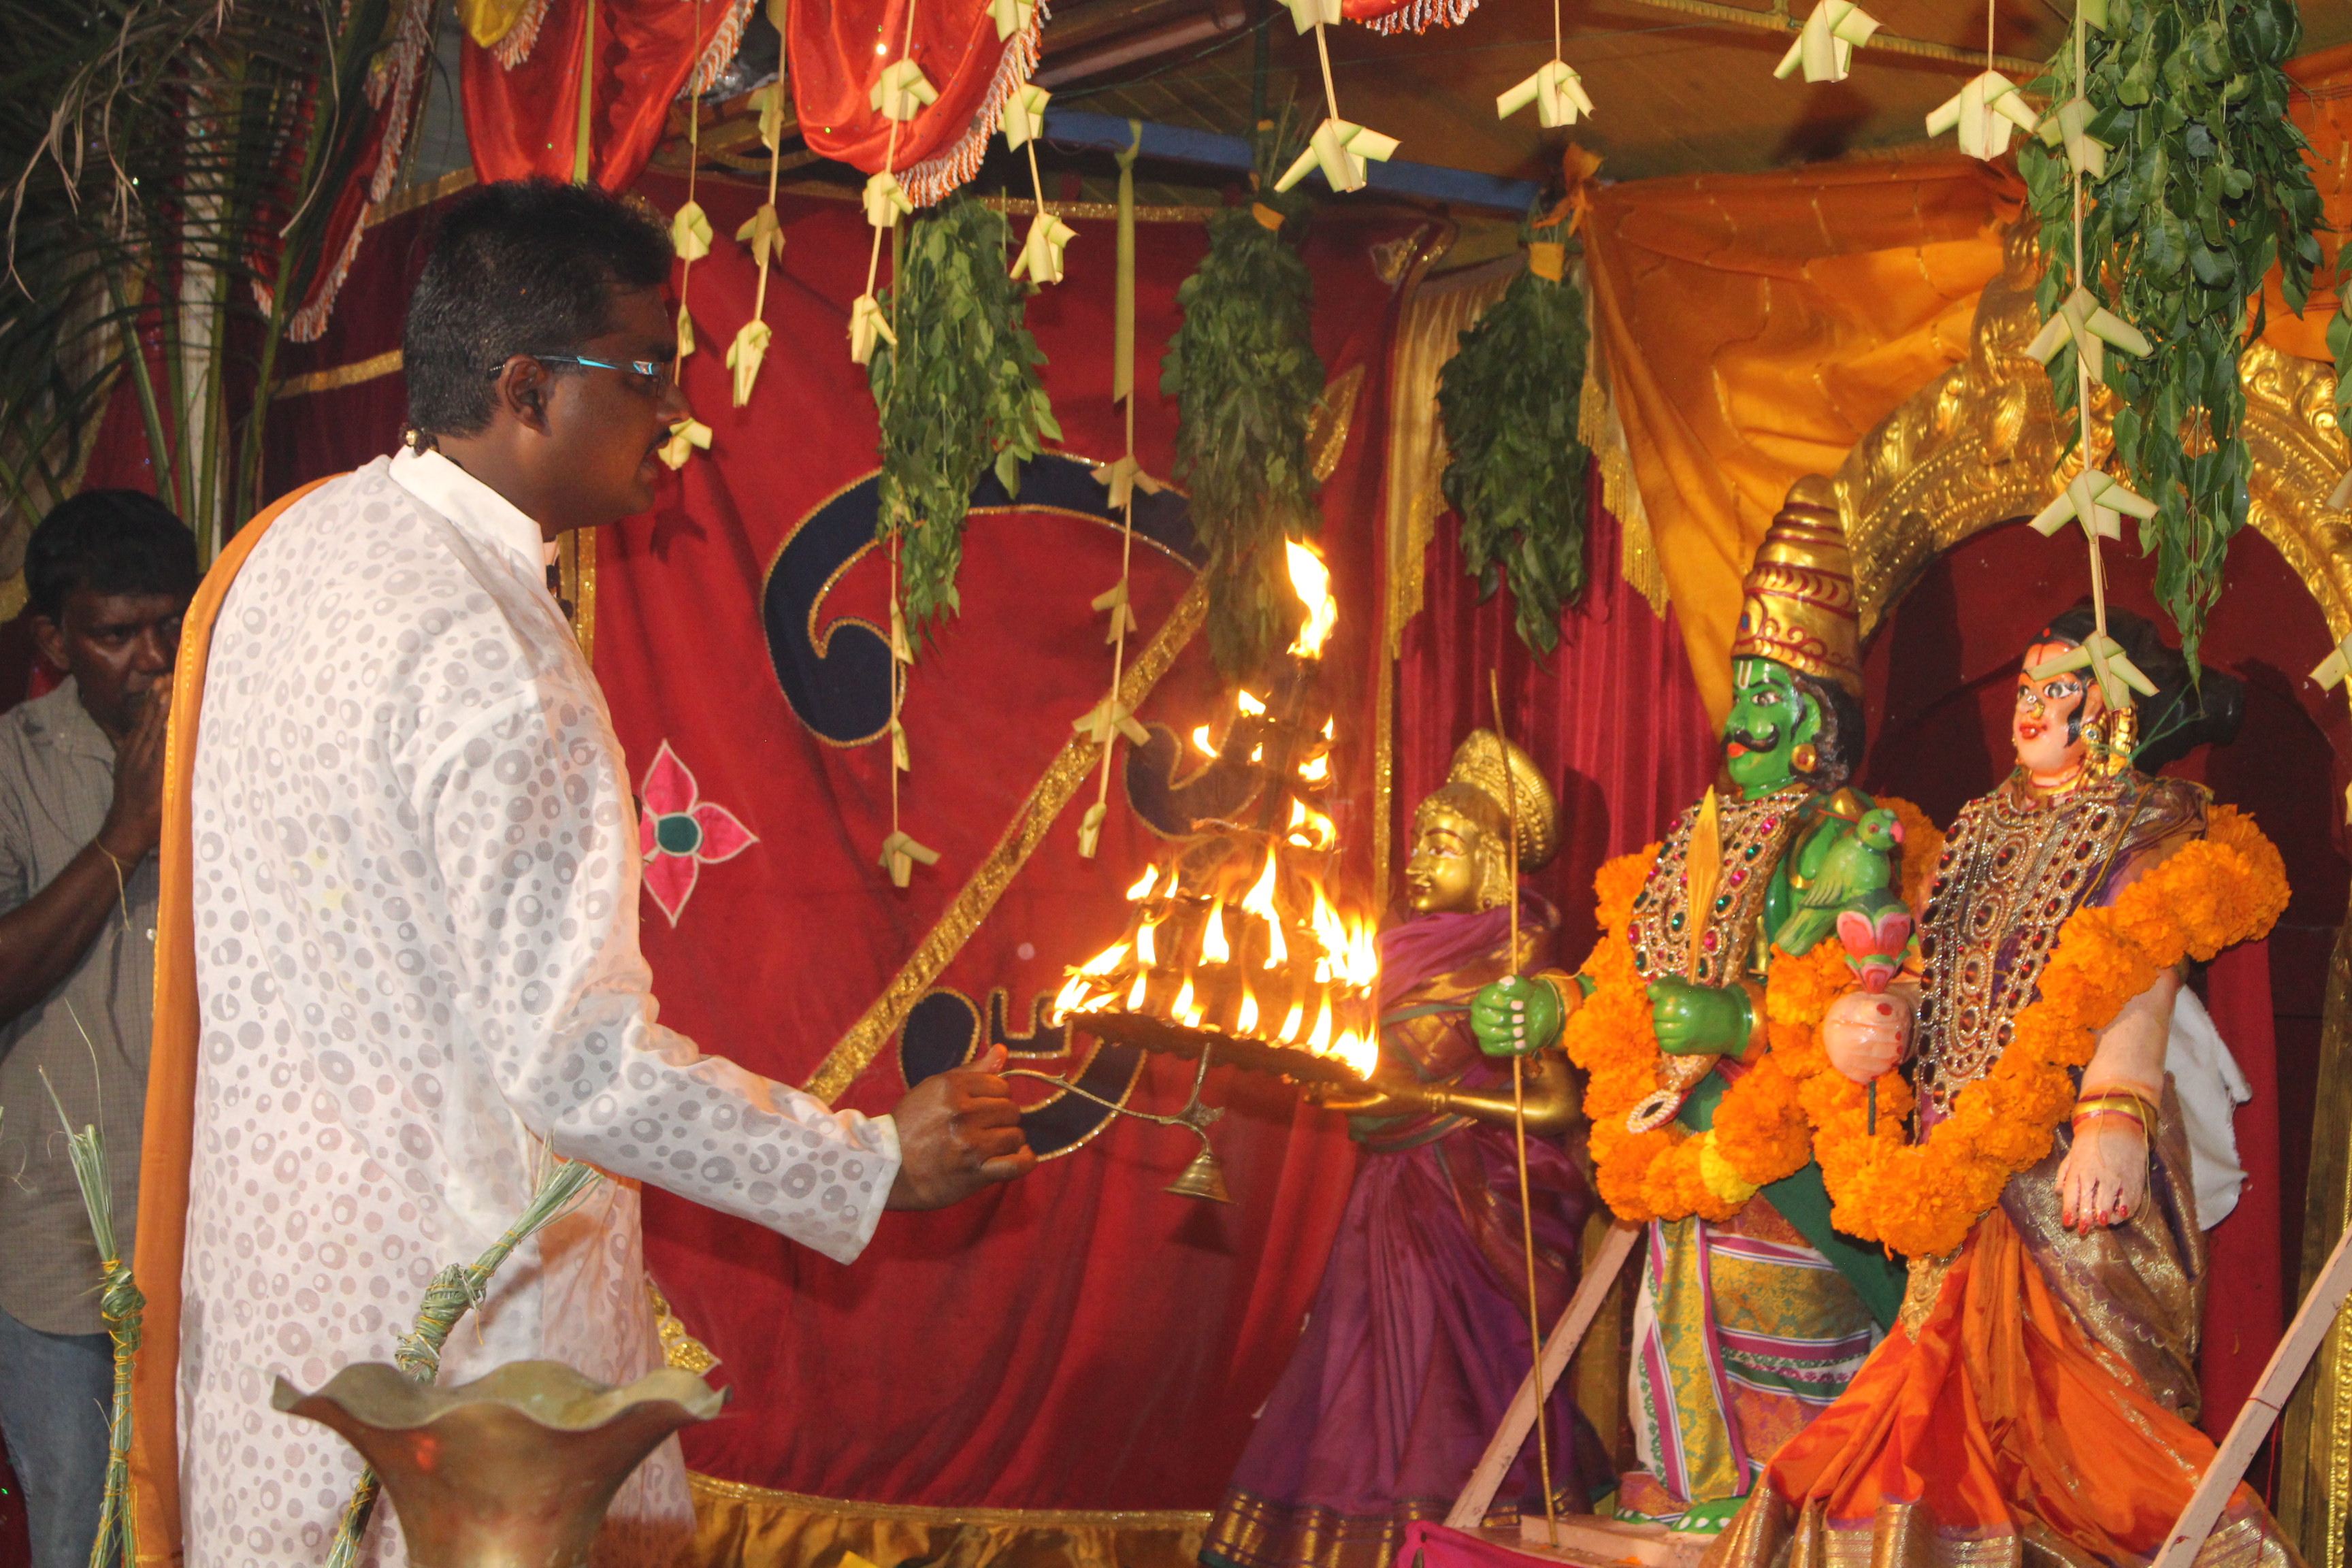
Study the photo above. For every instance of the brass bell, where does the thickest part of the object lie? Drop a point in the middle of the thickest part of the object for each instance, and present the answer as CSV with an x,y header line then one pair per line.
x,y
1204,1178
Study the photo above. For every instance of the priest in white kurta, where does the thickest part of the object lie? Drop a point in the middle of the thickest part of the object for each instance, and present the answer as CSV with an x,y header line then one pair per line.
x,y
415,879
415,902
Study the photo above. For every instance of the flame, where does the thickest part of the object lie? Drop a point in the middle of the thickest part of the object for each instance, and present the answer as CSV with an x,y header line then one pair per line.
x,y
1259,901
1311,581
1311,829
1352,946
1073,998
1358,962
1212,936
1359,1055
1324,961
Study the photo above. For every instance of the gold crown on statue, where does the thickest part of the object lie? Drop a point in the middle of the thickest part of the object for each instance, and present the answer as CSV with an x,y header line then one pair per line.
x,y
1797,606
1498,771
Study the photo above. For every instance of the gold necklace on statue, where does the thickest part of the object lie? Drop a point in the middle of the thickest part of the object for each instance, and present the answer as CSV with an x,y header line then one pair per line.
x,y
1755,833
2018,862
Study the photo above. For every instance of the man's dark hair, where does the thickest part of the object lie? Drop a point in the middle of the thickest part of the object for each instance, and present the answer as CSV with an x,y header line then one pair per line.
x,y
108,542
2184,714
521,266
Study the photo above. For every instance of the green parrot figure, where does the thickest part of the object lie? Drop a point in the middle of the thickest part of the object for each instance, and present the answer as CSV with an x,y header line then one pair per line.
x,y
1857,873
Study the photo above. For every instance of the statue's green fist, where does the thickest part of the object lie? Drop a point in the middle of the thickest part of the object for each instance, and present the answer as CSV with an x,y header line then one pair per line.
x,y
1515,1018
1698,1020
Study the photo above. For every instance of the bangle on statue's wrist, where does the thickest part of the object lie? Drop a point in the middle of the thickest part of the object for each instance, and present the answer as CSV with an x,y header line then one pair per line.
x,y
1755,1025
1569,991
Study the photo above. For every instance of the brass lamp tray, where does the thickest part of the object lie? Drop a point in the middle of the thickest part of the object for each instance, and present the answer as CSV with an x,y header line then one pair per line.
x,y
1176,1040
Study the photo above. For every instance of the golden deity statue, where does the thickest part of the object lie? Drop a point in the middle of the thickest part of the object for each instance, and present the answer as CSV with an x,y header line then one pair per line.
x,y
1418,1336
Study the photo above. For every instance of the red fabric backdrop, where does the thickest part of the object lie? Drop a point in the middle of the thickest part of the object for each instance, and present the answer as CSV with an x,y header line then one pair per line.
x,y
1611,716
1080,1340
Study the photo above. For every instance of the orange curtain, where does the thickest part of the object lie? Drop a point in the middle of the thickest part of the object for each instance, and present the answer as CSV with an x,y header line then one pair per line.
x,y
1753,327
2323,107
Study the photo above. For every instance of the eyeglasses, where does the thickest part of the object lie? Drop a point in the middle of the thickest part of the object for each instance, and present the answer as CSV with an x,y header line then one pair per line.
x,y
649,369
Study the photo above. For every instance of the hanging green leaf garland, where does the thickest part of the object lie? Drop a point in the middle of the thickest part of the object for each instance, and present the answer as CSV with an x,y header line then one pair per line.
x,y
967,399
1245,378
1516,475
2197,186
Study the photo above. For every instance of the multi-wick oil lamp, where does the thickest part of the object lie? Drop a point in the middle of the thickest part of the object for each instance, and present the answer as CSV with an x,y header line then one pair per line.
x,y
1234,943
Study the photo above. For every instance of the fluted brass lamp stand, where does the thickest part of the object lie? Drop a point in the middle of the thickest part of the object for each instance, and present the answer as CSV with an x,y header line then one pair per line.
x,y
511,1471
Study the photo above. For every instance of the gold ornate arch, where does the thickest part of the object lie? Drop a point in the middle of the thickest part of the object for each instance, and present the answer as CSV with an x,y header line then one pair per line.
x,y
1981,446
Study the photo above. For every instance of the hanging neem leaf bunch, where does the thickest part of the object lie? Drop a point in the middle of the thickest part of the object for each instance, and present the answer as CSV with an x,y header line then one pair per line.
x,y
2197,185
1244,375
958,393
1516,475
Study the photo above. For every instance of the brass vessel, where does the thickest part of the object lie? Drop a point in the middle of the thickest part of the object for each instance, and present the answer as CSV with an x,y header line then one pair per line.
x,y
511,1471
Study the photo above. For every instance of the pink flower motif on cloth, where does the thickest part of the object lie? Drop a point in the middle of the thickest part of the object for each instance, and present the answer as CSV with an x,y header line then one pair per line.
x,y
679,833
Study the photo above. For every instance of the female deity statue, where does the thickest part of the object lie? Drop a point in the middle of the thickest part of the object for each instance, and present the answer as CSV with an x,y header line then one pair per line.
x,y
2034,1401
1417,1336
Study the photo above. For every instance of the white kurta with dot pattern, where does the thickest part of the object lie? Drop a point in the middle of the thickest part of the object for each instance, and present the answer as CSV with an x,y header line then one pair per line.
x,y
416,948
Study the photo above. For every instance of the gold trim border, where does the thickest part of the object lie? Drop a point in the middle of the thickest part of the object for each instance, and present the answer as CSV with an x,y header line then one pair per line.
x,y
410,198
1069,769
337,377
1021,1517
1982,444
575,562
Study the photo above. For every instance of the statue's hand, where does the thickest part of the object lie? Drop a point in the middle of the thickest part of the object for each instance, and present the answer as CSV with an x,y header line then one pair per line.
x,y
1516,1016
1698,1020
1865,1034
1373,1097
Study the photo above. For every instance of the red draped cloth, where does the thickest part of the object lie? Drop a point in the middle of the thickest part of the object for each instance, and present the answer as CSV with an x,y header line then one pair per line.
x,y
837,48
1611,716
524,120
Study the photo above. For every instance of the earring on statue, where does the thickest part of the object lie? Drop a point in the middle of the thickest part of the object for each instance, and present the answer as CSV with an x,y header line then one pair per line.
x,y
1803,757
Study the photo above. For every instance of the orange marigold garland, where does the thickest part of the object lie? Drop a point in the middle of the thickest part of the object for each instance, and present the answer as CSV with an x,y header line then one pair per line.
x,y
1765,1124
1921,1199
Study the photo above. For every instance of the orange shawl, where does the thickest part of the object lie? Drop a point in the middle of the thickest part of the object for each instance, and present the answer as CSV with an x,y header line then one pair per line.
x,y
166,1144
